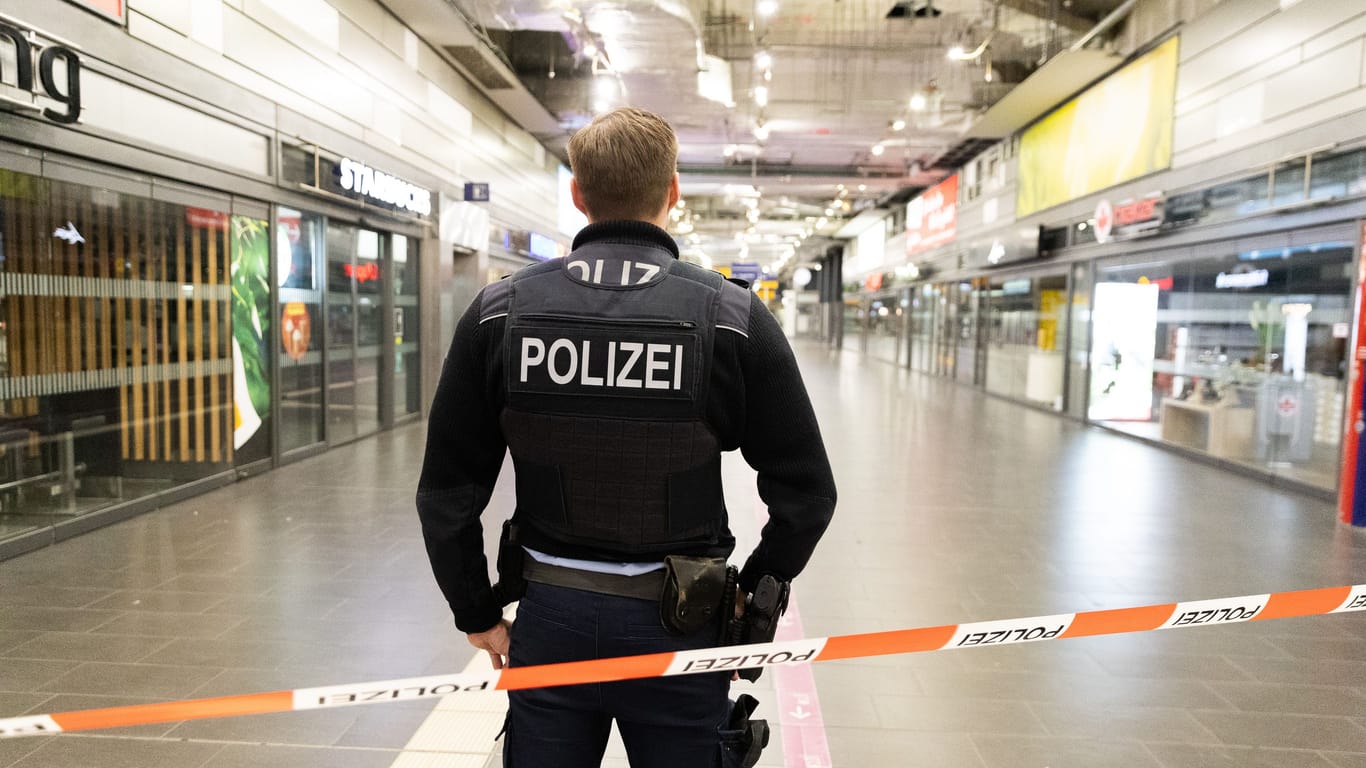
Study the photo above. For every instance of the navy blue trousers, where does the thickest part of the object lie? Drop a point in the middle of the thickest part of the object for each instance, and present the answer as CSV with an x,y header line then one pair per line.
x,y
665,722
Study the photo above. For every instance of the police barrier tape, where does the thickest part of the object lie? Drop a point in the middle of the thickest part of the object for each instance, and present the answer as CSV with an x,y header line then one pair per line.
x,y
1231,610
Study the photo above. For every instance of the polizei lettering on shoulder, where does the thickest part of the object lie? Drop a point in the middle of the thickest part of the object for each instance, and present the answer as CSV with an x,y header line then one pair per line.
x,y
603,362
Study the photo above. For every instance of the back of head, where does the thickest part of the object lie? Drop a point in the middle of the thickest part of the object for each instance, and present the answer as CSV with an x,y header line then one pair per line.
x,y
623,163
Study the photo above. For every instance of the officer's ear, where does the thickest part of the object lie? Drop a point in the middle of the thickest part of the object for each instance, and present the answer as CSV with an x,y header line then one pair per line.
x,y
577,197
674,193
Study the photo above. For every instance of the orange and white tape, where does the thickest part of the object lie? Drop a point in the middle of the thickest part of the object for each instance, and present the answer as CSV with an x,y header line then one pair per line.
x,y
1278,605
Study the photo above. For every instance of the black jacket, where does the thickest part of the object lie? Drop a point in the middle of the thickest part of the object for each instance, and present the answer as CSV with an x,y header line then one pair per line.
x,y
757,403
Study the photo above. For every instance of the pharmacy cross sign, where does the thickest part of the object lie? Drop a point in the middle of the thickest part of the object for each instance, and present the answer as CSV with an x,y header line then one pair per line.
x,y
1105,220
1287,405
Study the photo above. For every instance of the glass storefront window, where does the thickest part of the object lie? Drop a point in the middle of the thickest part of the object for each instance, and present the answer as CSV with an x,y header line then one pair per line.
x,y
300,247
1025,336
969,352
116,347
924,302
404,276
1240,355
883,325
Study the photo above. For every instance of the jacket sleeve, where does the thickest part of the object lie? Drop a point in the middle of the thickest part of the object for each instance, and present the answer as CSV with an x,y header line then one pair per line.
x,y
465,449
782,442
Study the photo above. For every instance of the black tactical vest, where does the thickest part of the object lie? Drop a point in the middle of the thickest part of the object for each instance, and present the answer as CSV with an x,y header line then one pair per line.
x,y
607,358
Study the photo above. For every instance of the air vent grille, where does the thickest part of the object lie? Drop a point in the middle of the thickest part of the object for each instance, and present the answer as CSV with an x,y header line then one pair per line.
x,y
480,69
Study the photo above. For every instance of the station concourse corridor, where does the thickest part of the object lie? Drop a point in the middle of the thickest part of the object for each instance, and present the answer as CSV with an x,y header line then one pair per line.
x,y
954,506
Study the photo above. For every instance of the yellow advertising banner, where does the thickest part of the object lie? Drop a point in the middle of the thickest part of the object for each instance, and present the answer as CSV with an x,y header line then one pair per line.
x,y
1118,130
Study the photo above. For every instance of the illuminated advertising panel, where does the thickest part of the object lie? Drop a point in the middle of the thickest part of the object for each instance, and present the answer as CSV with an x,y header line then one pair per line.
x,y
1119,130
932,218
1123,342
112,9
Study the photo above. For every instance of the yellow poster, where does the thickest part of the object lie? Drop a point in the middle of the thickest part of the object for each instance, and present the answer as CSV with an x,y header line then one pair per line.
x,y
1118,130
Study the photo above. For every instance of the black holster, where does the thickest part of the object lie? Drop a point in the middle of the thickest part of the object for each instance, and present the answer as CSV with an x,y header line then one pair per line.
x,y
743,739
759,622
511,559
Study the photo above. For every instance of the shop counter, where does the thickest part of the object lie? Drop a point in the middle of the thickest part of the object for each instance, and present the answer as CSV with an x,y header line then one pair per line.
x,y
1221,430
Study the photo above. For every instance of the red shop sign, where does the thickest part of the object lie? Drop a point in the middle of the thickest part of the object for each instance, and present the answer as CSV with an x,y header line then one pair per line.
x,y
111,8
932,218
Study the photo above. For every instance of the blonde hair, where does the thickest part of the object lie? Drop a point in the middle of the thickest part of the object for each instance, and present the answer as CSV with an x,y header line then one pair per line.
x,y
624,163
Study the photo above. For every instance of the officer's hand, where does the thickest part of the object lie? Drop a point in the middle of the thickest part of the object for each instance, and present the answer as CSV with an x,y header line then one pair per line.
x,y
495,640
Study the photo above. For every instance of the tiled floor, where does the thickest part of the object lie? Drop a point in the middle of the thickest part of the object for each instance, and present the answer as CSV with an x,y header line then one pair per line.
x,y
953,507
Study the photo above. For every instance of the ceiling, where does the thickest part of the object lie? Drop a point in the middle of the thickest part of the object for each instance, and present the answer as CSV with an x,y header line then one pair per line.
x,y
792,115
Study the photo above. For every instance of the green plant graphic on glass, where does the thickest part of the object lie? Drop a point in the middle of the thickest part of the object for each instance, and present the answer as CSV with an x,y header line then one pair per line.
x,y
250,326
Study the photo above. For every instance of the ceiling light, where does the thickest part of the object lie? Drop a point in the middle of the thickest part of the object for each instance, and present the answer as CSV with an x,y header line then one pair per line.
x,y
829,211
821,222
761,96
878,149
601,106
768,75
957,53
729,151
767,7
917,102
761,132
898,124
763,60
863,187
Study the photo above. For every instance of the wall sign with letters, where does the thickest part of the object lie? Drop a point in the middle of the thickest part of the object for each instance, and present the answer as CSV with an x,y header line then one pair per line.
x,y
362,179
46,70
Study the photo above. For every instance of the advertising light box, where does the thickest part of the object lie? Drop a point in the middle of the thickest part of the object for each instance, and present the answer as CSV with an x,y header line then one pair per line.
x,y
932,218
1119,130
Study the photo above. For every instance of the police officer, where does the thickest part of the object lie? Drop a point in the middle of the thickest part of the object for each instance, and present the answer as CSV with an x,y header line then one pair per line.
x,y
615,377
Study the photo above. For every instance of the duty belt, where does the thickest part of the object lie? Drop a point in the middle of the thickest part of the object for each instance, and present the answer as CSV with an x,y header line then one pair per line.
x,y
646,586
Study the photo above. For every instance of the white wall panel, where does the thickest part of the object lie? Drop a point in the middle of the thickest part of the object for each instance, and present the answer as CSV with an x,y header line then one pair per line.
x,y
448,113
1256,72
1225,21
1337,35
206,23
1286,134
253,46
380,69
1252,76
120,108
1313,81
168,40
1194,129
171,13
1240,110
290,18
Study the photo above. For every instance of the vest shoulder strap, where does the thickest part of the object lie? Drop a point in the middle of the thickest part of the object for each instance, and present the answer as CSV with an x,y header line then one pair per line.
x,y
495,300
734,312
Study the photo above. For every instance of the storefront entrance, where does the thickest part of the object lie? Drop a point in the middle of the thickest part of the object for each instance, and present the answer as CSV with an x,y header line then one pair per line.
x,y
356,373
1236,350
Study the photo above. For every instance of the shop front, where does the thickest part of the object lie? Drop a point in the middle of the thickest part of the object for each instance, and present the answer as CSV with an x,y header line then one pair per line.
x,y
1221,317
1236,350
170,322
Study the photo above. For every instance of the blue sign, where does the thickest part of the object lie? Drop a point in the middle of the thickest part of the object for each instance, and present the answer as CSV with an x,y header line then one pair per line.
x,y
746,271
477,193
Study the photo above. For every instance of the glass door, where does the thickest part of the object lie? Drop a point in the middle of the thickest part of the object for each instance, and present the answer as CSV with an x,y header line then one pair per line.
x,y
403,272
368,286
300,239
341,333
354,332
